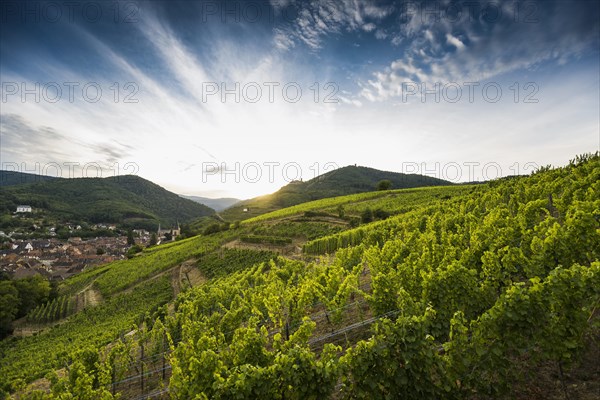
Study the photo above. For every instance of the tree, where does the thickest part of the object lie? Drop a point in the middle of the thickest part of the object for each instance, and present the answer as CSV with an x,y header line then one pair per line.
x,y
366,216
133,250
130,239
384,185
186,231
153,240
381,214
212,228
33,291
9,306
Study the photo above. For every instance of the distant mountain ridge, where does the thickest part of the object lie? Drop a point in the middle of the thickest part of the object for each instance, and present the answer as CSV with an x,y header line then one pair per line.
x,y
218,204
340,182
125,199
10,178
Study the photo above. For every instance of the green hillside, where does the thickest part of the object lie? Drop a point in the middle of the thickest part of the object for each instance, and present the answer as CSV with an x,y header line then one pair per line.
x,y
485,291
121,199
341,182
9,178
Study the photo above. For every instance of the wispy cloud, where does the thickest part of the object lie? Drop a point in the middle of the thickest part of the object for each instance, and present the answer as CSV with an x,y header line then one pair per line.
x,y
467,50
318,19
44,145
20,137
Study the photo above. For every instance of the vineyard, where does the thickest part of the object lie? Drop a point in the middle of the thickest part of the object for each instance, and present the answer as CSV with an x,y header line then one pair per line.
x,y
225,261
258,239
302,227
55,310
29,358
401,201
114,277
394,200
464,292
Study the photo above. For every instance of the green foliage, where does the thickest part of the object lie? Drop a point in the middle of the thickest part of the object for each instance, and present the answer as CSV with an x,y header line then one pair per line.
x,y
29,358
153,239
215,228
302,228
366,216
32,291
130,239
228,356
542,319
478,276
393,201
57,309
225,261
9,178
274,240
401,360
133,250
119,275
129,200
384,185
9,306
380,214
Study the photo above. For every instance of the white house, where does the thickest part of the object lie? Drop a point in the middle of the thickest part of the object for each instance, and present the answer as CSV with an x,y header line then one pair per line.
x,y
23,209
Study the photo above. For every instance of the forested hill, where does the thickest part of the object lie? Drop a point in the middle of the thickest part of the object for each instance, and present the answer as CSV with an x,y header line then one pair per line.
x,y
9,178
118,199
340,182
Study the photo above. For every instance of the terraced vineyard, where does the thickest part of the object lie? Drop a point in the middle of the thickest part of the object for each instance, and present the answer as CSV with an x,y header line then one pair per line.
x,y
120,275
30,358
391,200
463,292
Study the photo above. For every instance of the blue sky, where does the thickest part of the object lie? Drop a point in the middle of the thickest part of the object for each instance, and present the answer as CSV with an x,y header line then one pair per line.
x,y
236,98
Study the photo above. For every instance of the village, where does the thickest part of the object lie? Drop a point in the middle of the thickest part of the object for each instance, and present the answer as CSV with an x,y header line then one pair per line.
x,y
57,258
